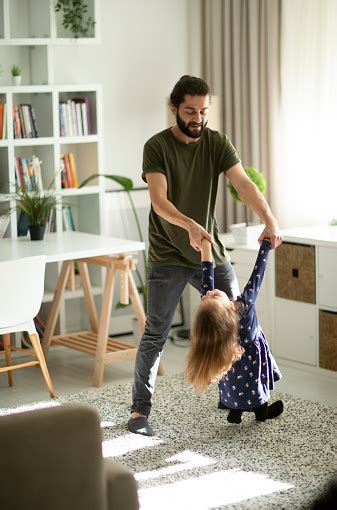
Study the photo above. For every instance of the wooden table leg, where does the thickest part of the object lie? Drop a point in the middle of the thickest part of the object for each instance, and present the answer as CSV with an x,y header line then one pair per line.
x,y
103,329
88,295
55,308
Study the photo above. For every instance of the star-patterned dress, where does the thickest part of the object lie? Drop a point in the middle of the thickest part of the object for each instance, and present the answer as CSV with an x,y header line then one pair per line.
x,y
248,383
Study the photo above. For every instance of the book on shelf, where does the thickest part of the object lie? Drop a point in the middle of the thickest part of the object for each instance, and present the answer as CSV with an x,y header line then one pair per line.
x,y
75,117
3,125
28,173
4,222
24,121
68,171
51,221
68,219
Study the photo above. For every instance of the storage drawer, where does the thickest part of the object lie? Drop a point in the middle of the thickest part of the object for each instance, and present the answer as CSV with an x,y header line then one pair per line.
x,y
295,272
296,331
328,340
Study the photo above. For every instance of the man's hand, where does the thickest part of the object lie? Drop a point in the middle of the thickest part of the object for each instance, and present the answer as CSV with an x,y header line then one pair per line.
x,y
196,234
272,231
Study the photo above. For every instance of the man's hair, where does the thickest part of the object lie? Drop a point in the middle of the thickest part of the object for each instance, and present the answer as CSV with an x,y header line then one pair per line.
x,y
215,344
188,85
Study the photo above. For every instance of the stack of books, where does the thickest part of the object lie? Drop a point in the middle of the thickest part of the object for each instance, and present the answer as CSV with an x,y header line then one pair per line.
x,y
24,121
28,173
75,117
68,220
68,171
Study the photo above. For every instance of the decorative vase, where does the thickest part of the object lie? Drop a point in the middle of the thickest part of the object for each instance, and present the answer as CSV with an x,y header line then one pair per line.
x,y
16,80
244,234
37,232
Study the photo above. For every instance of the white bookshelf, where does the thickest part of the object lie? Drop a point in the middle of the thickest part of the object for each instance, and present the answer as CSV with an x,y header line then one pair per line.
x,y
28,31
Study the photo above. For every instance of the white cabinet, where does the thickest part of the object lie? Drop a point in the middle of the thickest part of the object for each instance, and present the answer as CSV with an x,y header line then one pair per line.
x,y
305,315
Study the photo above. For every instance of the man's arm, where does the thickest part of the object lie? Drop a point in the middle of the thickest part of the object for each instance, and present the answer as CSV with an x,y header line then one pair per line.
x,y
254,200
157,184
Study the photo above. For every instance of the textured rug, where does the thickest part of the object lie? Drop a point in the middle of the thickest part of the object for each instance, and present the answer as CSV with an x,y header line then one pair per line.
x,y
198,461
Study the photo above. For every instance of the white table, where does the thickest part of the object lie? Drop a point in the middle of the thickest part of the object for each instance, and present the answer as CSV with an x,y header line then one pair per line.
x,y
112,253
63,246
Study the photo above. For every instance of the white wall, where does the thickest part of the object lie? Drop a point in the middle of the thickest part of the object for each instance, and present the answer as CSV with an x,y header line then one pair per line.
x,y
146,45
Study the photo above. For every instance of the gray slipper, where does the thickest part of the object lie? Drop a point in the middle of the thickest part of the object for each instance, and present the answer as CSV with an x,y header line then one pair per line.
x,y
141,426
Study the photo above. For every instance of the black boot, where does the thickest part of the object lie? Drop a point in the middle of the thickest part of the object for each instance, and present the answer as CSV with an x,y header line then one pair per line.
x,y
234,416
266,412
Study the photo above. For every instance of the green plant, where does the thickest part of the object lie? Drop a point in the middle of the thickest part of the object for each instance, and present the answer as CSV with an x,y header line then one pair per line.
x,y
257,177
35,203
75,17
16,70
333,222
127,185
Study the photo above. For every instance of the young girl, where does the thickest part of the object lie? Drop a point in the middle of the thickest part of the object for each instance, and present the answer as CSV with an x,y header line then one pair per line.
x,y
229,346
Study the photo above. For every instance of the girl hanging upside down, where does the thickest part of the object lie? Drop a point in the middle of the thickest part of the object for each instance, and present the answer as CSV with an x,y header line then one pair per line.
x,y
229,346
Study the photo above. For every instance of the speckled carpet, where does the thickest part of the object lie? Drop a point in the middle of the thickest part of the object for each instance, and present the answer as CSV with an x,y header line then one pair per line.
x,y
197,460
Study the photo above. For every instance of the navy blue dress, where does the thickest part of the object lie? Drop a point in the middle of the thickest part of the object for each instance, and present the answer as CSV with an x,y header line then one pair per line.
x,y
248,383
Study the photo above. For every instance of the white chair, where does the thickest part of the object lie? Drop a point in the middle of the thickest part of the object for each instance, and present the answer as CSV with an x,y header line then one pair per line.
x,y
21,291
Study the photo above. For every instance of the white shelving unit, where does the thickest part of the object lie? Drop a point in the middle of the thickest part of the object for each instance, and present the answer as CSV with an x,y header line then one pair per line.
x,y
305,329
28,31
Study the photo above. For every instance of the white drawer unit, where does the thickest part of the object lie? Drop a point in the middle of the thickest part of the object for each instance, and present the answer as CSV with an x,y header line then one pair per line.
x,y
295,336
305,312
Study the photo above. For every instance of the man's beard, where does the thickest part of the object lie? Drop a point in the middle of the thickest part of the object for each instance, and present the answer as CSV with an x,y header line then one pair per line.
x,y
187,128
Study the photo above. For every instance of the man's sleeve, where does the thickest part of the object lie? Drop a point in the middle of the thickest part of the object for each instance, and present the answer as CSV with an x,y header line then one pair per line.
x,y
229,155
152,159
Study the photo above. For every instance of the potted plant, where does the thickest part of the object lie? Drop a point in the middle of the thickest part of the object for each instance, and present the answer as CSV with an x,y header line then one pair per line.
x,y
75,17
16,75
245,233
127,185
37,205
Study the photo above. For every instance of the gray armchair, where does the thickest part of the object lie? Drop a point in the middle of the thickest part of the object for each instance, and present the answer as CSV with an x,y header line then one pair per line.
x,y
51,459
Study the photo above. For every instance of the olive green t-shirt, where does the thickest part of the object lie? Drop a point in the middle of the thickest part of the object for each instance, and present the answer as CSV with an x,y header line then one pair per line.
x,y
192,172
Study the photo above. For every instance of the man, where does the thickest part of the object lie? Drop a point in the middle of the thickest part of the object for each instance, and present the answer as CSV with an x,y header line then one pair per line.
x,y
181,166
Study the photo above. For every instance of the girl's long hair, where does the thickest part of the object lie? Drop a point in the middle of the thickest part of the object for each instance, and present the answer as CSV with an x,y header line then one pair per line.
x,y
215,344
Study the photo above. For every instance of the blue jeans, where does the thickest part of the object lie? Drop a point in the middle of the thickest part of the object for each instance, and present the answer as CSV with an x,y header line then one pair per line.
x,y
165,287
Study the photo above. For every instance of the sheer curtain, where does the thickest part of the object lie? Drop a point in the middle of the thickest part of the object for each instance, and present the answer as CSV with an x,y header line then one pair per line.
x,y
241,62
305,184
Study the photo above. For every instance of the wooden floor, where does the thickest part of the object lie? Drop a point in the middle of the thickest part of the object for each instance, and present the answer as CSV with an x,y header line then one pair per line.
x,y
72,372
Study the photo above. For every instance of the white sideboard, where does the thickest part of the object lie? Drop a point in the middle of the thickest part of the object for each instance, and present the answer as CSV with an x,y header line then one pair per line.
x,y
305,312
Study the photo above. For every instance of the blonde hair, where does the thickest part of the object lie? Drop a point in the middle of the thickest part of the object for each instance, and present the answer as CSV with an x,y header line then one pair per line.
x,y
215,344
